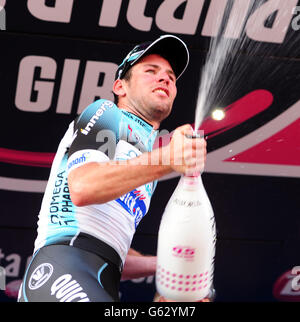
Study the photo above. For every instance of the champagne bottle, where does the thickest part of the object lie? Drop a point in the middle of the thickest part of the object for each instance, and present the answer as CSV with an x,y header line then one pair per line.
x,y
186,243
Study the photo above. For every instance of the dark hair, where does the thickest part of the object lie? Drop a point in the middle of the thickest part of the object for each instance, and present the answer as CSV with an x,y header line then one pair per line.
x,y
127,77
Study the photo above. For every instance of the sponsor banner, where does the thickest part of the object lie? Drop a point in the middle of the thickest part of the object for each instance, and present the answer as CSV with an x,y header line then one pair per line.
x,y
270,22
47,83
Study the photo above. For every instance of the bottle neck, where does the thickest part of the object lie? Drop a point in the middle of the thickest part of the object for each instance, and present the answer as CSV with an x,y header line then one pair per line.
x,y
191,180
194,175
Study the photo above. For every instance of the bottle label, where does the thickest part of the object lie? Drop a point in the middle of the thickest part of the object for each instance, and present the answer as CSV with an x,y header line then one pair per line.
x,y
185,252
187,203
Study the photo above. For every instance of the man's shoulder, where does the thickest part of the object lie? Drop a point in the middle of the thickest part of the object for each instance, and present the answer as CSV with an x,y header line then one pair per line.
x,y
98,107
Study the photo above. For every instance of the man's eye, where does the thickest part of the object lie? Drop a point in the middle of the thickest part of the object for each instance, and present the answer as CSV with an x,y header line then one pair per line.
x,y
150,71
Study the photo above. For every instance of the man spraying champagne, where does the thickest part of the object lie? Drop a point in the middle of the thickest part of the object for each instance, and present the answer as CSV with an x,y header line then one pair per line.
x,y
96,197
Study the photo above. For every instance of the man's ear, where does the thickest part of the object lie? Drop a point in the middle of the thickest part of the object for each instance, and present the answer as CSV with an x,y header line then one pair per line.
x,y
118,88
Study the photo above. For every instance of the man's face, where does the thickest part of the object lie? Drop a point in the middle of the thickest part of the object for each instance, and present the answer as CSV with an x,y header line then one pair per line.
x,y
151,89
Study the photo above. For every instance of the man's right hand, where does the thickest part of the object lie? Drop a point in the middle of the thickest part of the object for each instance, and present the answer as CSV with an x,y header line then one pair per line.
x,y
186,155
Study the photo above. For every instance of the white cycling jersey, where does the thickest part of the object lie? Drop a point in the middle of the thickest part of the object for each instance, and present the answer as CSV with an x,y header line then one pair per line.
x,y
101,133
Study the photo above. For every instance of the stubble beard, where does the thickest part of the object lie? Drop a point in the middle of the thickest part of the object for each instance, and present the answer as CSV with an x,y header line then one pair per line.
x,y
159,110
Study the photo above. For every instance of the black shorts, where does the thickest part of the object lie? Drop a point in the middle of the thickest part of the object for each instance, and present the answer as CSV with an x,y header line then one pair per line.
x,y
64,273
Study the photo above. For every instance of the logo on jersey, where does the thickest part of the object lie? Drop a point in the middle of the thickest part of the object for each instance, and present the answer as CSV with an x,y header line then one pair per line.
x,y
82,159
67,289
103,107
40,276
133,137
134,203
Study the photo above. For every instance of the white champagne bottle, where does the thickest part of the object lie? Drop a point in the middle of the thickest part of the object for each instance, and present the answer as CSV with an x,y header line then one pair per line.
x,y
186,243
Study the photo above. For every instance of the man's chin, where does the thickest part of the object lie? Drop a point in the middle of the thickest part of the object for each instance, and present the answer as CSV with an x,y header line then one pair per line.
x,y
162,112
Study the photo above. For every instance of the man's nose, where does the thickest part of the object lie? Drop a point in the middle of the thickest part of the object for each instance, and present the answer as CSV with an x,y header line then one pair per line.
x,y
164,77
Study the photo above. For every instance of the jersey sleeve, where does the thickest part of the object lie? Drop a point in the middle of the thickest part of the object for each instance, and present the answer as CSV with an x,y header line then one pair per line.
x,y
96,133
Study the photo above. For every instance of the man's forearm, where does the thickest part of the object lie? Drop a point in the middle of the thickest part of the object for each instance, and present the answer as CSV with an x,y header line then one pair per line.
x,y
138,266
97,183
